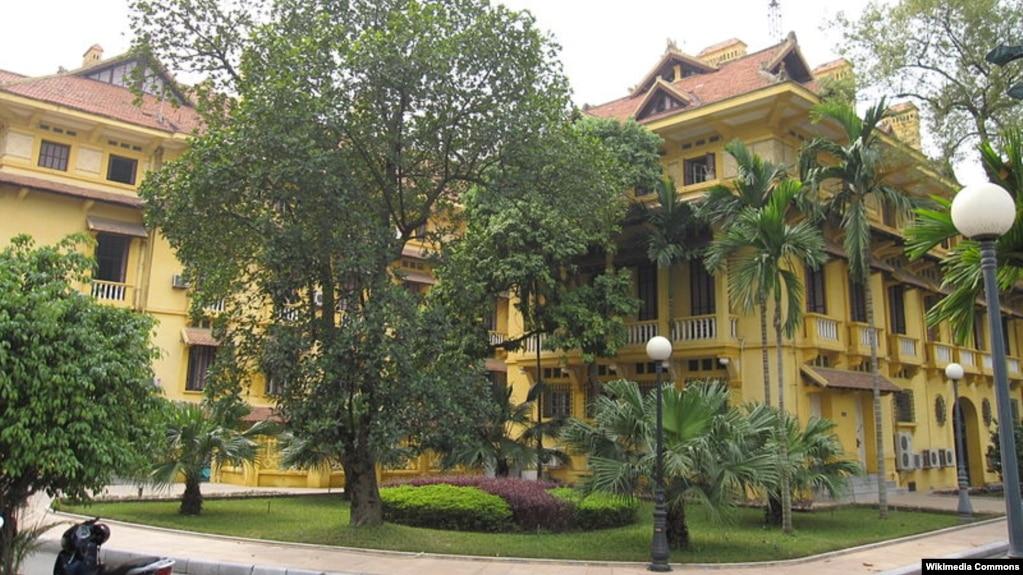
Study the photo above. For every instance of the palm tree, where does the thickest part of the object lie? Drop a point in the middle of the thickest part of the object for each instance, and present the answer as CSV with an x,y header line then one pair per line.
x,y
506,440
708,453
1004,166
856,164
194,442
816,461
763,251
755,181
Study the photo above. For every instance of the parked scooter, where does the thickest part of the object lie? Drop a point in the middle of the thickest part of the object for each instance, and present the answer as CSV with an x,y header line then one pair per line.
x,y
79,555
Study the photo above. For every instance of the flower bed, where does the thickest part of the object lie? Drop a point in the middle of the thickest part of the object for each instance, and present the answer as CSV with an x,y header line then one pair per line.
x,y
534,505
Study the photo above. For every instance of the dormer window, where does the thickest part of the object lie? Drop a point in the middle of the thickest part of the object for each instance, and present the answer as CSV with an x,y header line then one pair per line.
x,y
53,155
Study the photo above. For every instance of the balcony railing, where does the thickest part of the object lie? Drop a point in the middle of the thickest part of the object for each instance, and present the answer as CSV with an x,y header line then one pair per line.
x,y
1012,364
941,354
215,307
906,349
860,336
533,342
639,332
827,328
968,359
497,338
986,362
111,291
701,328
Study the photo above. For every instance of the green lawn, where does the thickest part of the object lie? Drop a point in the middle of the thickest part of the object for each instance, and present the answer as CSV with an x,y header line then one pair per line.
x,y
324,520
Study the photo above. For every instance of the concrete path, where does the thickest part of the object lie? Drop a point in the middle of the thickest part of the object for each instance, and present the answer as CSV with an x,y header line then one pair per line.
x,y
869,559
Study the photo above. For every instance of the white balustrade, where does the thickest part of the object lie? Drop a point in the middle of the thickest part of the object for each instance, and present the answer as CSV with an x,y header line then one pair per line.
x,y
967,358
827,328
216,307
1013,365
942,353
986,361
533,342
907,347
695,328
640,332
497,338
109,291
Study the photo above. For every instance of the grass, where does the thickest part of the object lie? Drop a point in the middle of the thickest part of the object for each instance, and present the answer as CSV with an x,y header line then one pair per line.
x,y
324,520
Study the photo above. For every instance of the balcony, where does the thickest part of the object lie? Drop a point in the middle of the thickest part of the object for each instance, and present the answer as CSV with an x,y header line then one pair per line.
x,y
1013,366
986,362
940,354
823,332
702,328
968,359
859,340
906,350
639,332
497,338
112,292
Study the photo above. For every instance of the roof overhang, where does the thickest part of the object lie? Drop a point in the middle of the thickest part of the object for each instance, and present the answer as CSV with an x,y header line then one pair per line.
x,y
98,224
198,336
63,189
843,379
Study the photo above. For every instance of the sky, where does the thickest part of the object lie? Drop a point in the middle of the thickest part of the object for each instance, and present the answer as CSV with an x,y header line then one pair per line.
x,y
607,45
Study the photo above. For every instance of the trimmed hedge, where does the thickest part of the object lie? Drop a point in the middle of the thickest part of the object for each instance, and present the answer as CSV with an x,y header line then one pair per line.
x,y
533,505
446,507
598,510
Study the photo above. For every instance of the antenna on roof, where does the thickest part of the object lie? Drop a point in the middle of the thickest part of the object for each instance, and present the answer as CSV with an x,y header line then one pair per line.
x,y
774,20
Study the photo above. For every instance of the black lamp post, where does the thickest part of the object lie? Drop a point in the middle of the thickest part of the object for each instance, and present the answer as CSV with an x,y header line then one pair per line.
x,y
983,212
658,349
954,371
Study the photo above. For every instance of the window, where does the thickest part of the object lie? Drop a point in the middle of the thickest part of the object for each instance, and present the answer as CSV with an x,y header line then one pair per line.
x,y
932,330
557,400
111,257
53,155
490,317
904,407
200,357
646,288
698,170
1005,334
816,300
1014,410
897,309
857,302
701,289
498,384
274,385
889,216
978,329
120,169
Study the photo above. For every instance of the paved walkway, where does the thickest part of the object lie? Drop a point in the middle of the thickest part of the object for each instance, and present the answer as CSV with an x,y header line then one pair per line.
x,y
347,561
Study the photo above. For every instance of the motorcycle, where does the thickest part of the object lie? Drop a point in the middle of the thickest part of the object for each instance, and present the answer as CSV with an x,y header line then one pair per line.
x,y
79,554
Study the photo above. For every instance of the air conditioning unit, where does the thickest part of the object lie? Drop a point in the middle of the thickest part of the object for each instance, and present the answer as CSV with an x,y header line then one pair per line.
x,y
942,462
918,461
950,457
904,451
179,281
935,459
927,458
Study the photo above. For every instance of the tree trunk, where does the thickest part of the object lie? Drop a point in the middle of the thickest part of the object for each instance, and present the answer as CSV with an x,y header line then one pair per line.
x,y
677,529
191,501
882,491
764,356
361,482
7,534
502,469
772,513
783,444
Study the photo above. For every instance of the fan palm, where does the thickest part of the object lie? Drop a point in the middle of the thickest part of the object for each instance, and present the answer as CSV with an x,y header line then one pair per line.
x,y
856,163
1004,166
194,441
708,453
755,181
763,250
816,461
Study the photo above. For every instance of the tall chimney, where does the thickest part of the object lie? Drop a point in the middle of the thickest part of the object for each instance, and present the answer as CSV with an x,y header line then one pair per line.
x,y
93,55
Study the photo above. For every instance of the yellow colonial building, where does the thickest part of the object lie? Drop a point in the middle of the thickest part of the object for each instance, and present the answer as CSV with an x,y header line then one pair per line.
x,y
74,146
698,103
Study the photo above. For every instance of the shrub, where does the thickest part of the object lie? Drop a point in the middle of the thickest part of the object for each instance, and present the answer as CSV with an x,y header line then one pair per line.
x,y
531,505
446,507
598,510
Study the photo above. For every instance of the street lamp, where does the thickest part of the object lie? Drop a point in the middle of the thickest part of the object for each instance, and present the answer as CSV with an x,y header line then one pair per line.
x,y
954,371
658,349
983,212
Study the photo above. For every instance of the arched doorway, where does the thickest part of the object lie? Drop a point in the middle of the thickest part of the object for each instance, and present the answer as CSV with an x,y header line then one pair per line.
x,y
972,442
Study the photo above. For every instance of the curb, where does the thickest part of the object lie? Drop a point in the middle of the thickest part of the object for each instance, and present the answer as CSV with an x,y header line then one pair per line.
x,y
982,552
265,570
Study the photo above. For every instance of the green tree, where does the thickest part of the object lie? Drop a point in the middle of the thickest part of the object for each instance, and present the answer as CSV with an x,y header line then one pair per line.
x,y
857,164
815,460
76,381
933,52
351,126
764,253
195,442
755,182
1003,163
709,448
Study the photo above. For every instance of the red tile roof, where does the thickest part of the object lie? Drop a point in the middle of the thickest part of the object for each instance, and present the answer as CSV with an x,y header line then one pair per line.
x,y
69,190
732,78
844,379
108,100
8,76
